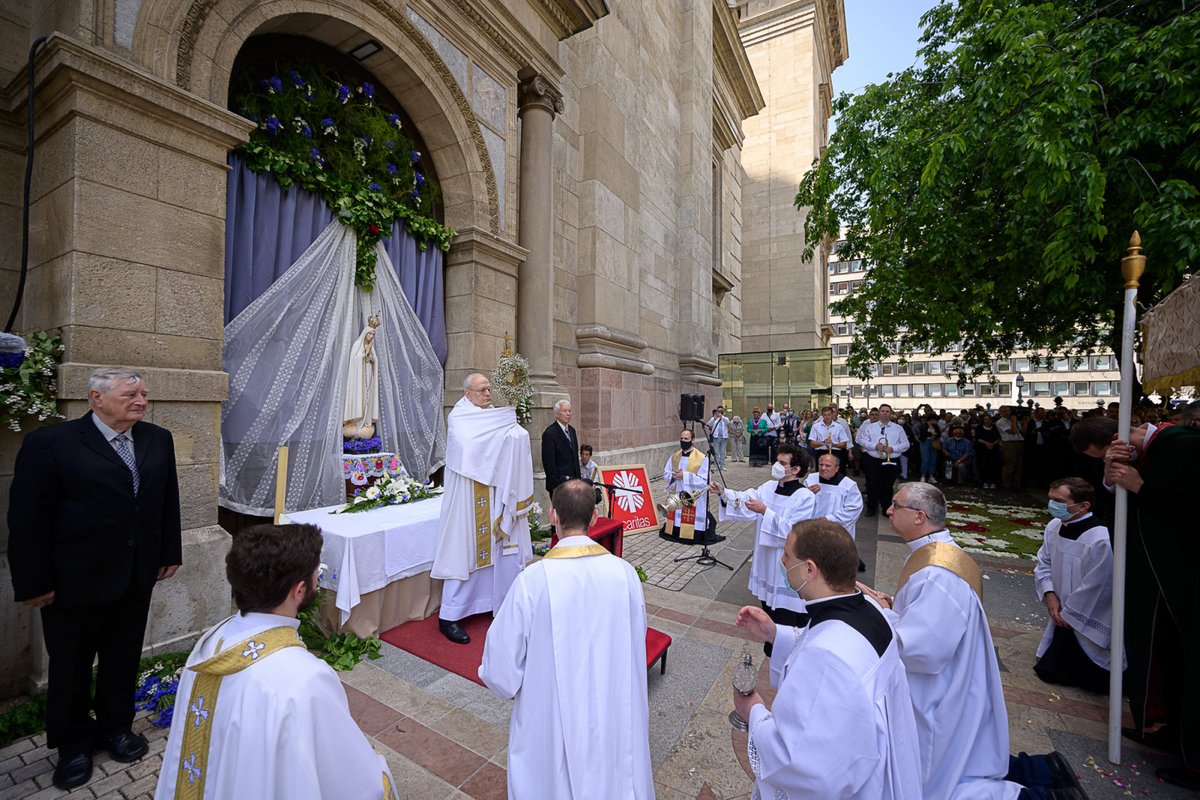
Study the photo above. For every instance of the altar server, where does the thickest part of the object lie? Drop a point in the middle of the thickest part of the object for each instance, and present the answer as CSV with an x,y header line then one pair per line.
x,y
842,723
1073,577
775,506
946,647
687,471
838,497
569,644
483,540
257,715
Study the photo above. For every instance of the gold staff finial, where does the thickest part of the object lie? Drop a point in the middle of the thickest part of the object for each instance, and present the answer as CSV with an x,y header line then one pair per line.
x,y
1134,263
508,351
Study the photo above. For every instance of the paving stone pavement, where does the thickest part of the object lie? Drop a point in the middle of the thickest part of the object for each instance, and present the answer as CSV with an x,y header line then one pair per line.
x,y
447,737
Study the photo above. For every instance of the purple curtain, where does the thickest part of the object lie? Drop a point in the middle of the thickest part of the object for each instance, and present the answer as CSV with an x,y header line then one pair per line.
x,y
267,228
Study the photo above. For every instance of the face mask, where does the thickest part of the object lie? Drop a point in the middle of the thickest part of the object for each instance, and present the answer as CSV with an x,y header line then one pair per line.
x,y
778,471
783,573
684,445
1059,510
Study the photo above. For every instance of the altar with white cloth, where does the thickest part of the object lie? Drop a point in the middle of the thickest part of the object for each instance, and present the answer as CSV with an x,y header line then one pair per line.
x,y
379,563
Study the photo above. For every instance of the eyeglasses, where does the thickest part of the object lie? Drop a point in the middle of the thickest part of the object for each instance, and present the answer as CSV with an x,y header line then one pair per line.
x,y
901,505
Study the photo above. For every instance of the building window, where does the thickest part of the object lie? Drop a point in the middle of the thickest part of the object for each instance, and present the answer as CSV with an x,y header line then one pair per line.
x,y
951,390
889,370
918,368
854,285
840,370
1082,388
1061,388
1041,389
968,390
986,390
856,391
1021,365
1003,366
935,390
935,368
1102,363
887,390
1061,365
918,390
1103,388
902,369
1004,390
903,390
841,349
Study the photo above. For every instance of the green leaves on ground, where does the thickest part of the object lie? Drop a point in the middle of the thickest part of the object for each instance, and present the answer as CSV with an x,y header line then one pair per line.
x,y
994,186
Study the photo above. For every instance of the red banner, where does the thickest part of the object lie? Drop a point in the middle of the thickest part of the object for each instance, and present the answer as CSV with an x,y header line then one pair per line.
x,y
632,503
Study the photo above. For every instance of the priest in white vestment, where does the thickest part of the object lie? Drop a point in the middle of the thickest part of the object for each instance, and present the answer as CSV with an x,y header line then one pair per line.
x,y
687,471
483,539
256,714
946,647
569,644
1073,578
838,497
775,506
841,725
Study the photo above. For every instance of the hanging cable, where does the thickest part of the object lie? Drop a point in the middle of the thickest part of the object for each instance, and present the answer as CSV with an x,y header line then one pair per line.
x,y
12,318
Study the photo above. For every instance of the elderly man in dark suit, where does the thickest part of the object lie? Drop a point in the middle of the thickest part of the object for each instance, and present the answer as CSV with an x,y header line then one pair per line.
x,y
560,448
93,524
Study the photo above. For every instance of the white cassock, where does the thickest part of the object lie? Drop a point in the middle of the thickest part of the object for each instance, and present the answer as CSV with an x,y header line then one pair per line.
x,y
483,540
275,719
569,644
1078,568
946,647
842,722
839,502
694,481
774,524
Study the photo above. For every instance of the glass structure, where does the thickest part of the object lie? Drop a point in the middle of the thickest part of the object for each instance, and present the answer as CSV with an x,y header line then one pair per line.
x,y
800,378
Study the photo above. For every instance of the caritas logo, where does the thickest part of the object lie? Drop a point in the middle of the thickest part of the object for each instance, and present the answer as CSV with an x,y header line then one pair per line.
x,y
632,504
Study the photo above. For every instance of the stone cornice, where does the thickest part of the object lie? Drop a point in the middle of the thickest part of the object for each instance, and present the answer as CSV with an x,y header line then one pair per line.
x,y
732,63
828,15
602,346
698,368
65,65
568,17
476,245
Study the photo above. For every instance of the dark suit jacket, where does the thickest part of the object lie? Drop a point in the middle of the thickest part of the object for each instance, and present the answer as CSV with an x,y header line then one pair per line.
x,y
74,524
560,457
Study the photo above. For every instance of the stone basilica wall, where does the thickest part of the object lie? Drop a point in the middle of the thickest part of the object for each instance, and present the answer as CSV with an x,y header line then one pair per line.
x,y
589,157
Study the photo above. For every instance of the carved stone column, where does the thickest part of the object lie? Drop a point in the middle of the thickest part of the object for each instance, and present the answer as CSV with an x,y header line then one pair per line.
x,y
539,102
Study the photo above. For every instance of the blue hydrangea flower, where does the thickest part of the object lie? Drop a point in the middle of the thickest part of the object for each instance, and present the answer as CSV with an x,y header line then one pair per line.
x,y
420,179
273,84
164,717
416,156
392,168
296,79
272,124
306,131
416,195
394,119
368,90
390,144
343,93
375,187
327,122
316,156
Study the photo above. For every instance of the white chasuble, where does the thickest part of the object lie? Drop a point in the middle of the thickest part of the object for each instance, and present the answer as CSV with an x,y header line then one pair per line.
x,y
569,644
841,725
257,715
946,647
694,482
783,511
1079,571
488,494
839,502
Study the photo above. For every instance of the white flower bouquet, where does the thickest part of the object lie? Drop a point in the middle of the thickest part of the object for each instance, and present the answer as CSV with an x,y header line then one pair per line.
x,y
389,490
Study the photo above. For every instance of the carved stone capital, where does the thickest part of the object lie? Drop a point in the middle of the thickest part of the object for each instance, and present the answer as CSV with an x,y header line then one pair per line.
x,y
537,92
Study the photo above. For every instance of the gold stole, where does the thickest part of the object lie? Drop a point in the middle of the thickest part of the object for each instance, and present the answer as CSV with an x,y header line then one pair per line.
x,y
946,556
202,705
577,551
687,515
483,525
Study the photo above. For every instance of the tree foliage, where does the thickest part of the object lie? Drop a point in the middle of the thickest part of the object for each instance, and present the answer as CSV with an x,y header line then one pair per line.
x,y
994,186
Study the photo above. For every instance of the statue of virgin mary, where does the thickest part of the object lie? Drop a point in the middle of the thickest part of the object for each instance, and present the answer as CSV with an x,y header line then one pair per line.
x,y
361,408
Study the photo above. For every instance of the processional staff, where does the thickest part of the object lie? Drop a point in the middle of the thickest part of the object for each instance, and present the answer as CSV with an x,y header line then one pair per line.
x,y
1132,267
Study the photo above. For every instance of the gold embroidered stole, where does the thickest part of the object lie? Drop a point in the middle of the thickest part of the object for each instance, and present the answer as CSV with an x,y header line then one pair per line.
x,y
202,705
946,556
695,459
577,551
483,524
687,515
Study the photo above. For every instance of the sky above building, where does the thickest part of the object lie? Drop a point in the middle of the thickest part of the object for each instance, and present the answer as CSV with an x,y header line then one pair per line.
x,y
882,37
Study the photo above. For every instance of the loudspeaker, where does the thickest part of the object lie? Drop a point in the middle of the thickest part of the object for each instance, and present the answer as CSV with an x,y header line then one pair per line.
x,y
691,407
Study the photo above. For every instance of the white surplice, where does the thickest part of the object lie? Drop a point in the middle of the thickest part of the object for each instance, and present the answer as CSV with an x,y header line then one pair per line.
x,y
695,483
946,647
569,644
485,446
1079,571
783,511
280,727
841,502
841,725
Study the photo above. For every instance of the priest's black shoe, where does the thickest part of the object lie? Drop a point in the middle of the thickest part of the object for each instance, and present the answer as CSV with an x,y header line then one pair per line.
x,y
125,747
72,771
453,631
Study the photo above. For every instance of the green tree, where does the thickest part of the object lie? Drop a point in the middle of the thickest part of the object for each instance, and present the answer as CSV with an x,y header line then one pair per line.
x,y
994,186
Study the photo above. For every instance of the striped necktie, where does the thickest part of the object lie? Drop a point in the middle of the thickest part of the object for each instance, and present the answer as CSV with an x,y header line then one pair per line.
x,y
127,456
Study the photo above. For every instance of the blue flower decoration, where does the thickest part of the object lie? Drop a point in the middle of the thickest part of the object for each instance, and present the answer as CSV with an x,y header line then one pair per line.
x,y
392,168
394,119
368,90
420,179
327,122
16,359
273,84
416,156
305,130
416,195
296,78
272,124
343,93
374,187
390,144
316,156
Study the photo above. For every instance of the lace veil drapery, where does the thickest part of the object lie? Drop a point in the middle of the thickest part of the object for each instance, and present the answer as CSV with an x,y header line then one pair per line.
x,y
286,358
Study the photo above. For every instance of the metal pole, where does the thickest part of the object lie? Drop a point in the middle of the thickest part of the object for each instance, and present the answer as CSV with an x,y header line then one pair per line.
x,y
1132,266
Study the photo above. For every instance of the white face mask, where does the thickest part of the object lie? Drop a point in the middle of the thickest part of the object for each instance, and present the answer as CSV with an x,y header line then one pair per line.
x,y
778,471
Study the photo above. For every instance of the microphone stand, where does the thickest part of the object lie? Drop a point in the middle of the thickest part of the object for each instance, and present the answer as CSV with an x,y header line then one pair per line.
x,y
705,558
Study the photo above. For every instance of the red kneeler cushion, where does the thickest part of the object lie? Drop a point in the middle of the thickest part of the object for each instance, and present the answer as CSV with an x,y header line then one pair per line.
x,y
657,643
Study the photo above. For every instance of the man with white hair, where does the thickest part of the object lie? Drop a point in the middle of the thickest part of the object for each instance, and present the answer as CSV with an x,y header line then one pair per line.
x,y
93,525
483,540
560,448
